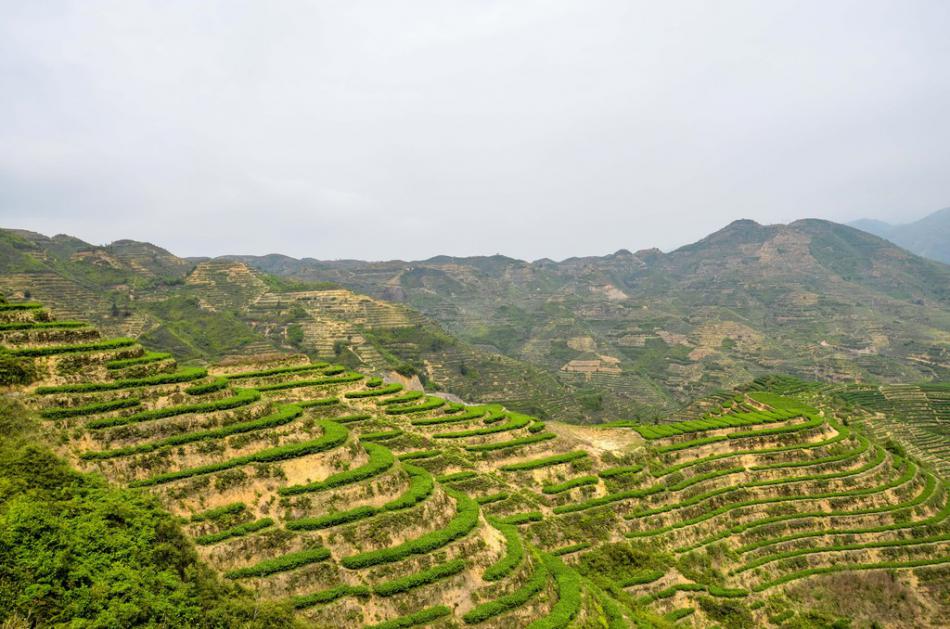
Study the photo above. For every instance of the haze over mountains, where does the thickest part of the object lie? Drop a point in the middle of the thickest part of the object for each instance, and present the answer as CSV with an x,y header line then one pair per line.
x,y
598,337
928,237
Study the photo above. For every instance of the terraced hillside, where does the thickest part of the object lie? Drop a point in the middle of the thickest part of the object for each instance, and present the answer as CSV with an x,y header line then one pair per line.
x,y
811,298
359,503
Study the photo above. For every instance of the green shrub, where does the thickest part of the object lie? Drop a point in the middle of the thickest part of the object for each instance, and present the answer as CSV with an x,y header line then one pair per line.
x,y
284,415
457,476
448,419
490,609
183,375
323,401
90,409
283,563
211,386
356,417
408,396
52,350
514,552
522,518
40,325
580,481
419,454
514,443
417,618
619,471
381,435
23,305
374,392
380,460
546,461
568,596
572,548
219,512
334,435
513,424
328,596
465,520
238,531
484,500
148,357
243,398
280,386
409,582
263,373
428,404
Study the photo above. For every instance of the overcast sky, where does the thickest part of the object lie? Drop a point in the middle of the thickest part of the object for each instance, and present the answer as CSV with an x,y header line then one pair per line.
x,y
378,130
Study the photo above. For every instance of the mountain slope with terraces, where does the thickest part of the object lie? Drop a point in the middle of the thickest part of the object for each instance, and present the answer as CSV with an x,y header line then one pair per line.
x,y
355,502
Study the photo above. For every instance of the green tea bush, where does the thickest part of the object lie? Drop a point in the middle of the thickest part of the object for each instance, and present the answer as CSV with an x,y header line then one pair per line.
x,y
219,512
522,518
568,596
184,375
546,461
284,415
52,350
283,563
408,396
425,577
211,386
328,596
448,419
490,609
514,552
514,443
148,357
465,520
90,409
428,404
374,392
421,617
243,398
334,435
508,426
263,373
580,481
380,460
317,382
238,531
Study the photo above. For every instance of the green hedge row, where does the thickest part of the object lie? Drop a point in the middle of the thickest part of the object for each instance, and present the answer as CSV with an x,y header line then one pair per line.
x,y
238,531
183,375
90,409
283,563
580,481
386,390
144,359
328,596
568,596
465,520
52,350
644,576
408,396
381,435
380,460
424,577
517,598
373,382
734,420
263,373
421,617
485,500
427,404
421,487
23,305
863,445
763,501
546,461
514,552
883,565
522,518
570,549
896,512
219,512
334,435
619,471
513,424
514,443
242,398
211,386
812,422
284,415
41,325
317,382
449,419
910,470
836,548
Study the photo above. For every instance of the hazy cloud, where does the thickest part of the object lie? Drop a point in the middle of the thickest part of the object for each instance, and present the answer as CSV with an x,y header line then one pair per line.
x,y
384,129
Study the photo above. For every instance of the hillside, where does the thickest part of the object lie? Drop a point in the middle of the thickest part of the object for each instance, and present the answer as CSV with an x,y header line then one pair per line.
x,y
812,298
208,310
928,237
357,503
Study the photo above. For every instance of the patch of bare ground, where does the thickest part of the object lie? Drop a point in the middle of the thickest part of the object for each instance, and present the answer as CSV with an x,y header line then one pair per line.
x,y
597,438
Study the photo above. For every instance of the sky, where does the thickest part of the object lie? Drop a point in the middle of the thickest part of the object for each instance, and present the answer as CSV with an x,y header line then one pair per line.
x,y
379,130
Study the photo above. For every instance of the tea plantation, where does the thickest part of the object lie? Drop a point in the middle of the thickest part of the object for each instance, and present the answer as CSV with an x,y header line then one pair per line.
x,y
332,499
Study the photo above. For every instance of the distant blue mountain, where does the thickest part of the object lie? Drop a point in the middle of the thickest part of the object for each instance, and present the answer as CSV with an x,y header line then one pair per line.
x,y
928,237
